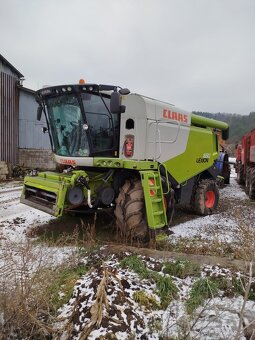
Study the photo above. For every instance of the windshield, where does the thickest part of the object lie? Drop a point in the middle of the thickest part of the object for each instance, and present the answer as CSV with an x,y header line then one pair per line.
x,y
99,121
67,126
82,131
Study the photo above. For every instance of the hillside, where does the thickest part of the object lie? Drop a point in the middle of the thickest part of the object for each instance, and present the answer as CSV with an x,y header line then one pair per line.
x,y
239,125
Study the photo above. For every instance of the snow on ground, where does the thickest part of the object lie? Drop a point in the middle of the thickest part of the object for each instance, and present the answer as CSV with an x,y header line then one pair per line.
x,y
115,288
16,217
15,220
122,315
223,225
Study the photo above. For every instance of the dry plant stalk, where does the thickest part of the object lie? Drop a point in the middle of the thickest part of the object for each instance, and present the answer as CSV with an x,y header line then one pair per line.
x,y
26,273
246,294
89,231
97,308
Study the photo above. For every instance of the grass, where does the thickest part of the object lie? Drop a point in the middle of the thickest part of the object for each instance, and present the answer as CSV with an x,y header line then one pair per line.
x,y
64,283
166,290
135,263
233,286
146,300
182,268
201,290
165,287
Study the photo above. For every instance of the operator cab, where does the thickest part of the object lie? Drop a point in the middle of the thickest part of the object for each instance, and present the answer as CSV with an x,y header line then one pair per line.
x,y
79,120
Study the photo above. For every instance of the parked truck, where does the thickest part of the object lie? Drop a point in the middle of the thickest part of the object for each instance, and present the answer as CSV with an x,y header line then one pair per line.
x,y
130,153
245,163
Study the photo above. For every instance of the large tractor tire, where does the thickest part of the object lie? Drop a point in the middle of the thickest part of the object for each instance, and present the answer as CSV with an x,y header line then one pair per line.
x,y
239,174
206,197
226,170
247,181
130,211
252,184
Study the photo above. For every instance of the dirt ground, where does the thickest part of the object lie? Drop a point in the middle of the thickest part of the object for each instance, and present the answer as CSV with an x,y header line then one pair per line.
x,y
220,243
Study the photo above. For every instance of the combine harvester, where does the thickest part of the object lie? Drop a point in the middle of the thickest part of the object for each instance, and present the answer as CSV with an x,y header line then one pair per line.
x,y
245,163
127,151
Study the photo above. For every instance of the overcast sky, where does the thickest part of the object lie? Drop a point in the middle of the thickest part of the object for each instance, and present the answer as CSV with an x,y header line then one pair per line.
x,y
196,54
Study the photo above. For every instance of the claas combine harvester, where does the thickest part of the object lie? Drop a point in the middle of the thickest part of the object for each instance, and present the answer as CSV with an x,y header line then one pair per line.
x,y
124,151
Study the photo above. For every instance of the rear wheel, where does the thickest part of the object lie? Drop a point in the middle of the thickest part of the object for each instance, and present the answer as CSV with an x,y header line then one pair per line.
x,y
240,178
206,197
226,170
130,211
252,184
247,181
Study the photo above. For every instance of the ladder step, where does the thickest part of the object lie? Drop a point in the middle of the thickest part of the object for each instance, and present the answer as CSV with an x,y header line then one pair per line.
x,y
156,200
159,225
160,212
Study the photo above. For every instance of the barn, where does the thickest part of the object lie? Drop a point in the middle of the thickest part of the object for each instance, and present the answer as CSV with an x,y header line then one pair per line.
x,y
21,139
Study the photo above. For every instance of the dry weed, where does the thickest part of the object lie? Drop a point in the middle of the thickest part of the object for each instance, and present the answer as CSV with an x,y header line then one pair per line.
x,y
26,274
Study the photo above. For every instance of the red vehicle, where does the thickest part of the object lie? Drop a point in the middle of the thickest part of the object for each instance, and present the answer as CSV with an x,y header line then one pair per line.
x,y
245,163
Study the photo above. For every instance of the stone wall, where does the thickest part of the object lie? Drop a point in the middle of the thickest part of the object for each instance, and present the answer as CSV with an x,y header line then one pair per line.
x,y
37,159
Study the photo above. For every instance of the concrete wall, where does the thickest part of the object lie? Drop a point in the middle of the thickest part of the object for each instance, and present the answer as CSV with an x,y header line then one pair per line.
x,y
36,159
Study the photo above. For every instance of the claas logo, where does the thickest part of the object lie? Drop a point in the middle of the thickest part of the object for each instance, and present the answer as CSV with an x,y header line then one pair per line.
x,y
179,117
68,161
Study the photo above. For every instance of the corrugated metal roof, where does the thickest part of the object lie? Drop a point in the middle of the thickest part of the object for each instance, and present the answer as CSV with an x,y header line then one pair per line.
x,y
6,62
22,88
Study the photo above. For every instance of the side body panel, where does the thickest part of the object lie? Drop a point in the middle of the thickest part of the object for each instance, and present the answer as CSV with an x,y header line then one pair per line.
x,y
163,133
160,130
200,154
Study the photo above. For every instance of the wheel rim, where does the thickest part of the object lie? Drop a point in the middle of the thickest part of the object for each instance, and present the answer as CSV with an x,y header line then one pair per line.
x,y
209,199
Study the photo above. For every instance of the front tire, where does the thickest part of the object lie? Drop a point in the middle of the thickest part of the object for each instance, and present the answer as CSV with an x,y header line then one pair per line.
x,y
206,197
252,184
247,181
130,211
239,174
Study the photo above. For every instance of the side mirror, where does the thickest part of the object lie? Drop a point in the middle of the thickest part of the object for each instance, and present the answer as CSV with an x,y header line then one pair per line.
x,y
115,103
124,91
225,134
39,112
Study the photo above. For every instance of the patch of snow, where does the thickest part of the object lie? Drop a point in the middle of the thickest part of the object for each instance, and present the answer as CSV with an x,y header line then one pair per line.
x,y
223,226
207,227
16,217
233,190
232,160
